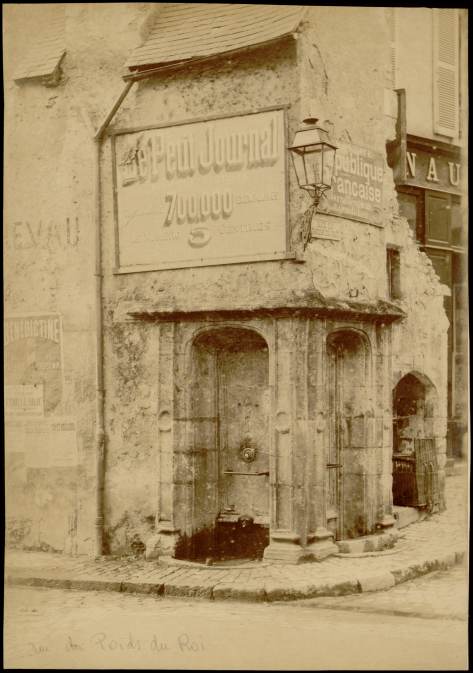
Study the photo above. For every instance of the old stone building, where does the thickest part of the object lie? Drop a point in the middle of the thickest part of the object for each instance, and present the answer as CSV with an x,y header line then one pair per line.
x,y
193,366
429,158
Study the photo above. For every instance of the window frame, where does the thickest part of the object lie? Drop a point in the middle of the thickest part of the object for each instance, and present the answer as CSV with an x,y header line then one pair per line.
x,y
420,209
393,270
429,240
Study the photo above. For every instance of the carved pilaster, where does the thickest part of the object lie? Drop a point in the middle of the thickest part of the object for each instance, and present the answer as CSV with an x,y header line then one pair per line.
x,y
293,466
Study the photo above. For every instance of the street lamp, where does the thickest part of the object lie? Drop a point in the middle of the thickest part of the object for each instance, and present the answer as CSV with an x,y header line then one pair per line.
x,y
313,156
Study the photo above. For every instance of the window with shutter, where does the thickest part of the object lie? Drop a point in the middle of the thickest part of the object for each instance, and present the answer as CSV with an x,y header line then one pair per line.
x,y
445,62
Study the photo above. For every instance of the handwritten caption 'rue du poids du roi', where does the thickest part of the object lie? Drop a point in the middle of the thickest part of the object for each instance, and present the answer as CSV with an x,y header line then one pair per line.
x,y
101,641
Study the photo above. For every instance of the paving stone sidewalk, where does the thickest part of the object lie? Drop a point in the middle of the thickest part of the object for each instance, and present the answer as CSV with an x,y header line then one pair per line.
x,y
434,544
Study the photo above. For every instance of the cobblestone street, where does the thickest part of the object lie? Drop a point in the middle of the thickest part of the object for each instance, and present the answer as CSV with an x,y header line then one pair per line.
x,y
417,624
434,544
420,624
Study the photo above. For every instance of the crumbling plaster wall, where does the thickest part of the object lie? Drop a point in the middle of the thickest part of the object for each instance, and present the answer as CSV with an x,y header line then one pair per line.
x,y
50,234
49,238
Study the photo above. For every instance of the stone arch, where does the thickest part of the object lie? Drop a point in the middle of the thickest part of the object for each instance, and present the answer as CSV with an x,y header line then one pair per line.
x,y
209,328
227,334
206,330
352,338
415,463
415,406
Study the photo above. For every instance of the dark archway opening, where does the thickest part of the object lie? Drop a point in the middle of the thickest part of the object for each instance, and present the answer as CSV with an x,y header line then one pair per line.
x,y
415,468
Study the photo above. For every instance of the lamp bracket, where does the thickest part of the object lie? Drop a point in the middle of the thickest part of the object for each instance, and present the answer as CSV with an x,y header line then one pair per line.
x,y
303,226
301,232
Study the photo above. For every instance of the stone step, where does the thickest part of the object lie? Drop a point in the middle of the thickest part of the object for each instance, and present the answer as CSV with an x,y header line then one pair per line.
x,y
406,515
368,543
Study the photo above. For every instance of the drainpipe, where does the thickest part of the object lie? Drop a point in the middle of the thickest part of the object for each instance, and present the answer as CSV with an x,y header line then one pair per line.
x,y
100,388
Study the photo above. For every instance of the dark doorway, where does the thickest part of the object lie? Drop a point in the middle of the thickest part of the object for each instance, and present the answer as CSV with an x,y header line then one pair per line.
x,y
415,468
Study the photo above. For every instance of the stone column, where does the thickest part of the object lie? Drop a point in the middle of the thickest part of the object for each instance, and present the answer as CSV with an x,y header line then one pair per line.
x,y
185,458
291,456
166,533
320,540
384,428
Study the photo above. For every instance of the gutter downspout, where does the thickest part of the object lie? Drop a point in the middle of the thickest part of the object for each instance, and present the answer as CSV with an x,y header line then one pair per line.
x,y
100,387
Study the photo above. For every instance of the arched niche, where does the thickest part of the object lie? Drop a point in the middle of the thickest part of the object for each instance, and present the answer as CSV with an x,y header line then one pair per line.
x,y
350,408
229,417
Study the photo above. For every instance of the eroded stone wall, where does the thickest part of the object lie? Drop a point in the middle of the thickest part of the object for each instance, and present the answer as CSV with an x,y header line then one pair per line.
x,y
338,69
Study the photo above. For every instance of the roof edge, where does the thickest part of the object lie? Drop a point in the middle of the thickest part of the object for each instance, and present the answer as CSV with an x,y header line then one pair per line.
x,y
141,72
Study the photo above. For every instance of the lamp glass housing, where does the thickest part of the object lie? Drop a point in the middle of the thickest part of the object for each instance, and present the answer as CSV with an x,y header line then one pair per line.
x,y
313,157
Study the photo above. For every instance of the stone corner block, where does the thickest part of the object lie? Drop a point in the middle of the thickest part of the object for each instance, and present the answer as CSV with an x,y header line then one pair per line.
x,y
153,548
161,543
321,550
385,540
285,553
142,587
356,546
239,592
343,587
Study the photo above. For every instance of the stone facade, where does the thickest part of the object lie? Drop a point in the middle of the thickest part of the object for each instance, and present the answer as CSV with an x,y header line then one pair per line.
x,y
315,344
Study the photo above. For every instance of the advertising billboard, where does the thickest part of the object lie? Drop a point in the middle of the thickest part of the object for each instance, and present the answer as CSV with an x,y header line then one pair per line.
x,y
357,185
201,193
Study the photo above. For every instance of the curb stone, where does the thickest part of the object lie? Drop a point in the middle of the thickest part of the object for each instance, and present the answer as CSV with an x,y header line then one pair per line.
x,y
95,585
425,566
242,593
269,591
281,592
142,588
379,582
343,588
188,590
